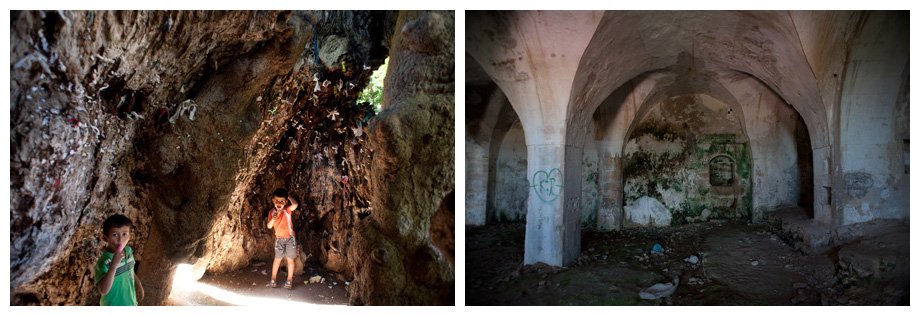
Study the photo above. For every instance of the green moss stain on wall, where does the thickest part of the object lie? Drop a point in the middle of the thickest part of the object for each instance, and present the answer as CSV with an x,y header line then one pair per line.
x,y
589,195
667,158
506,216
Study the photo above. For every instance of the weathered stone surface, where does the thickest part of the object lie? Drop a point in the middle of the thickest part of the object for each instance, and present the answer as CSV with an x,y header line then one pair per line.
x,y
332,50
690,153
858,183
186,122
92,96
706,115
412,172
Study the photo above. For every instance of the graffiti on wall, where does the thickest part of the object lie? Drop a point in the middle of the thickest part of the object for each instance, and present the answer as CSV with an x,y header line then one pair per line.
x,y
547,185
858,183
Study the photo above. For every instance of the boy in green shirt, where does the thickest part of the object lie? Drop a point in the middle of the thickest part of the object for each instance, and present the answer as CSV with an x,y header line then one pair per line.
x,y
114,273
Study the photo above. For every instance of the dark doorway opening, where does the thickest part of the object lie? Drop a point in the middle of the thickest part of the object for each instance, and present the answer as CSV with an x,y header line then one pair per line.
x,y
806,171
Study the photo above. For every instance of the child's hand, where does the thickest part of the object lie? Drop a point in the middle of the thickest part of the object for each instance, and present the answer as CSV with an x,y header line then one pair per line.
x,y
116,258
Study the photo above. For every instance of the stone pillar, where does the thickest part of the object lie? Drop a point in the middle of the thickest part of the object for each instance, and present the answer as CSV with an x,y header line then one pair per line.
x,y
477,176
610,210
533,57
822,188
553,232
571,210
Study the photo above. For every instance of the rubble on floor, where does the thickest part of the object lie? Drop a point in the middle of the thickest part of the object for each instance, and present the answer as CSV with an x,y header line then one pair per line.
x,y
715,263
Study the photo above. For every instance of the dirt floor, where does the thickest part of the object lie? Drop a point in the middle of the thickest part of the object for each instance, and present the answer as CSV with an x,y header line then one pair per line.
x,y
736,264
248,287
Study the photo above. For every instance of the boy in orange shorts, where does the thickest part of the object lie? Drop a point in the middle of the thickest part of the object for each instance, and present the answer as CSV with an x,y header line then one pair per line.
x,y
280,219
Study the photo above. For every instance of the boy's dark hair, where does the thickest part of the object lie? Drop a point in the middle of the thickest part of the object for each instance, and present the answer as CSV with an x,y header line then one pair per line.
x,y
115,221
280,192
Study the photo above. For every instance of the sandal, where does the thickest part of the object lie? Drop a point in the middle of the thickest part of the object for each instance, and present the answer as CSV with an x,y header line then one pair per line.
x,y
272,284
288,285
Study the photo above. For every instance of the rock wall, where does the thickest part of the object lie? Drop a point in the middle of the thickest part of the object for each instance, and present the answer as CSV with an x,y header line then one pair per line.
x,y
185,122
313,145
404,250
104,106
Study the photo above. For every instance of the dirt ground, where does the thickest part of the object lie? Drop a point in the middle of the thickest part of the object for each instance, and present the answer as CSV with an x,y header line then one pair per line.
x,y
737,265
248,287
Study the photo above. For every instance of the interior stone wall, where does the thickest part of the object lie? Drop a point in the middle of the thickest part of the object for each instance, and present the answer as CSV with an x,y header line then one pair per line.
x,y
590,196
667,158
511,183
780,147
871,166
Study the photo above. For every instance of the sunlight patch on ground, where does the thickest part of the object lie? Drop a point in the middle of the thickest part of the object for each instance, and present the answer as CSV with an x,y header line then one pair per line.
x,y
185,286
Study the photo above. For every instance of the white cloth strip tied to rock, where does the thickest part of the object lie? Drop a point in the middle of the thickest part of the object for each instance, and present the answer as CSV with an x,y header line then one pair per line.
x,y
186,106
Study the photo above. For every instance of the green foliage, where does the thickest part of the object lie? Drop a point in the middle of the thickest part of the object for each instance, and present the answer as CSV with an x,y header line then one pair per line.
x,y
373,93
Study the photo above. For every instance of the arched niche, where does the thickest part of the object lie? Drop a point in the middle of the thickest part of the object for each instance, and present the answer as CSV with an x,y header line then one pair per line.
x,y
721,171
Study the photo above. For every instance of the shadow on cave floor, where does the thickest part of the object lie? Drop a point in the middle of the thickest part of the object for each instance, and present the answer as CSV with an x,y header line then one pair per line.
x,y
737,265
247,287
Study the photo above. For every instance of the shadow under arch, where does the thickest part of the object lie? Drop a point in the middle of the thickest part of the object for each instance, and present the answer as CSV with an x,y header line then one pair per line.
x,y
780,65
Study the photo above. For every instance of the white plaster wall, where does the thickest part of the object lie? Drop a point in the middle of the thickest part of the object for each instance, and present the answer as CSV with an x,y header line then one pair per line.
x,y
480,147
544,240
775,170
511,185
630,43
533,57
870,152
770,126
824,43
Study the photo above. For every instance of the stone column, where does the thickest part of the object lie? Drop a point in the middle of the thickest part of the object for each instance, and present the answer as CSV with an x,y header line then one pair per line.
x,y
571,210
533,57
553,232
822,188
477,176
610,210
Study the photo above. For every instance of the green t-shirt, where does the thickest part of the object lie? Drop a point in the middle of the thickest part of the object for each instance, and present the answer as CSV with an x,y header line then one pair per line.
x,y
122,292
